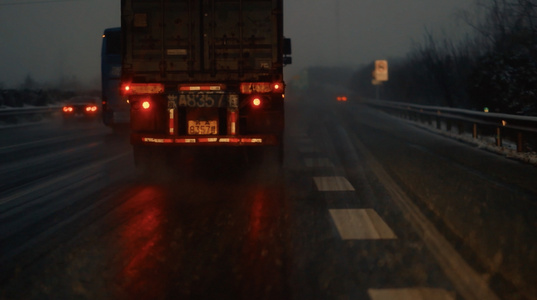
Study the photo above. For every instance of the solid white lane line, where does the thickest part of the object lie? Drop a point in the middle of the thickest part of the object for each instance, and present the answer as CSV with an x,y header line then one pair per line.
x,y
411,294
360,224
468,282
318,163
333,183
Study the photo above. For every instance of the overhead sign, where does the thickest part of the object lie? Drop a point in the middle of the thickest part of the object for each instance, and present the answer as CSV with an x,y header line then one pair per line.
x,y
381,70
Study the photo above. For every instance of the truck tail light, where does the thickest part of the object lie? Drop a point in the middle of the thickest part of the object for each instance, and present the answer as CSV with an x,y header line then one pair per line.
x,y
142,88
256,101
201,87
261,87
142,104
277,87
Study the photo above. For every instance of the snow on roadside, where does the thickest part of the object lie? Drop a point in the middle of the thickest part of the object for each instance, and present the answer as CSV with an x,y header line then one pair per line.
x,y
508,148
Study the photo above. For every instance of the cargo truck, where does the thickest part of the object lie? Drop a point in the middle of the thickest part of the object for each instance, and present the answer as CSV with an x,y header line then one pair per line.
x,y
203,73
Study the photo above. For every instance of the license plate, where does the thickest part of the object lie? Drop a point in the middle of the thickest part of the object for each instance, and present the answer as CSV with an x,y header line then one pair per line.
x,y
202,127
200,99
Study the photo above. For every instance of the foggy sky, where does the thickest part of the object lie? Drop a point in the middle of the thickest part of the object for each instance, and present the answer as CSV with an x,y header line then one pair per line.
x,y
62,38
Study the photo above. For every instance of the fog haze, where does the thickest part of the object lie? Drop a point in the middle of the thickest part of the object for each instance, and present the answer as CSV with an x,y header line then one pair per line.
x,y
60,40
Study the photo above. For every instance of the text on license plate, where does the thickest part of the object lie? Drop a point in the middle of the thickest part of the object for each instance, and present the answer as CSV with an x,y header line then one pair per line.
x,y
202,127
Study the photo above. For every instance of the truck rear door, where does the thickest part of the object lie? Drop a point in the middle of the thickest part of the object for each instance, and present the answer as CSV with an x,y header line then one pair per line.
x,y
208,40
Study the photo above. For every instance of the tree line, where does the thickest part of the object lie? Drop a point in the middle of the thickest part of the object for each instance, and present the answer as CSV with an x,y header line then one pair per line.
x,y
494,66
32,93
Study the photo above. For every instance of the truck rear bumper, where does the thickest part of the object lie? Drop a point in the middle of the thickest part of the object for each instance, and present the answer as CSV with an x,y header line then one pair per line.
x,y
243,140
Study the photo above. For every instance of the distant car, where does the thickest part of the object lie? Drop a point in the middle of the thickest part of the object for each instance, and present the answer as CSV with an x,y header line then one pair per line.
x,y
81,107
341,98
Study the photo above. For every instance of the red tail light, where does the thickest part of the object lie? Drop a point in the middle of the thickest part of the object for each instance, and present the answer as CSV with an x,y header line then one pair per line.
x,y
142,88
202,87
91,108
256,102
277,87
261,87
142,104
67,109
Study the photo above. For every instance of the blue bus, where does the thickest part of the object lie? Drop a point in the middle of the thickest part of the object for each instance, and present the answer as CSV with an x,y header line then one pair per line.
x,y
115,110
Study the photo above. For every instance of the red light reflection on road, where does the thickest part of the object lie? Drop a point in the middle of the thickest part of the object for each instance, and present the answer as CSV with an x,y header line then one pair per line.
x,y
142,243
256,215
263,248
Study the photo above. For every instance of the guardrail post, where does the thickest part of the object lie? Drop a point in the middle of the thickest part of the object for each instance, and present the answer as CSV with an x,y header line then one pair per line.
x,y
520,142
463,119
498,137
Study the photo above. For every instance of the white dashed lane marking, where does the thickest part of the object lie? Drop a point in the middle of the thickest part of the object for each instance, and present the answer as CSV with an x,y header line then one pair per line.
x,y
360,224
364,224
411,294
334,183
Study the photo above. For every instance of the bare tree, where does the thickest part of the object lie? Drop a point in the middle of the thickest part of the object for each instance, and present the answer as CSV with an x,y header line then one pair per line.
x,y
495,65
506,75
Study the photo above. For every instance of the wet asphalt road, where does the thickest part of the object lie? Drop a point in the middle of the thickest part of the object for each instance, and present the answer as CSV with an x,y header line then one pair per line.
x,y
365,206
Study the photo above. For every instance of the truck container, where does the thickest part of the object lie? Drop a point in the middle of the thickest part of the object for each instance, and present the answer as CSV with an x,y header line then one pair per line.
x,y
203,73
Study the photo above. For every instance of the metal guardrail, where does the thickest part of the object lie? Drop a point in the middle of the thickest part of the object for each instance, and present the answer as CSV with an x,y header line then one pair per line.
x,y
11,115
12,111
521,129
